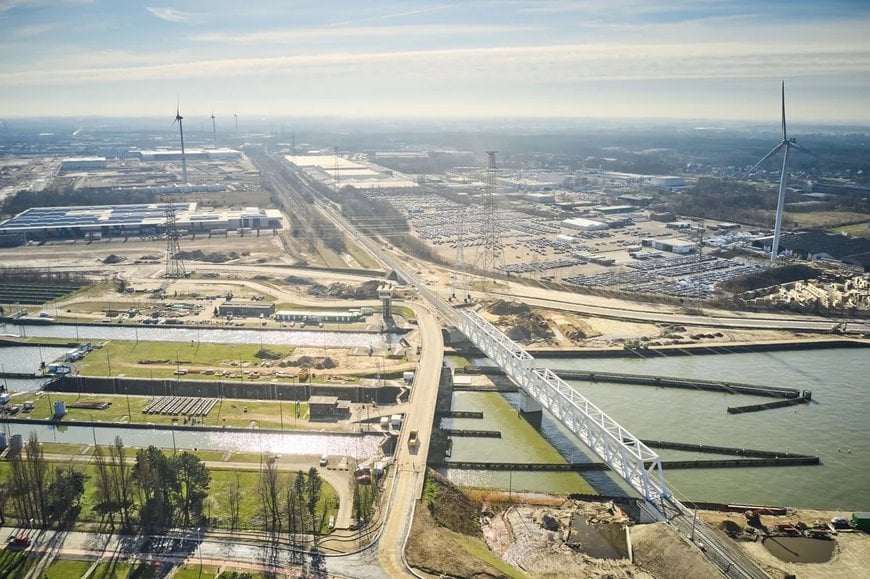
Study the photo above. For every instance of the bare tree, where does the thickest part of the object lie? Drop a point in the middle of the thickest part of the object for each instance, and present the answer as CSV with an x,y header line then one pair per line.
x,y
293,510
269,490
38,477
234,501
105,486
123,484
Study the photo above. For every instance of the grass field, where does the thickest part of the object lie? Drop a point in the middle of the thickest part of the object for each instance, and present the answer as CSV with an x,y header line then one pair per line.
x,y
66,568
217,505
123,357
196,572
825,219
227,412
857,229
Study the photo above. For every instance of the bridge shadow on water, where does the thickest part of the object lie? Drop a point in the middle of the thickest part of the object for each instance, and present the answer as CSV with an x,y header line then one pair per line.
x,y
572,450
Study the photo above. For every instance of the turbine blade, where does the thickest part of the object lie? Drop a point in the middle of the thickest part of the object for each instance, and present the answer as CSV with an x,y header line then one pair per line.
x,y
784,137
772,152
802,148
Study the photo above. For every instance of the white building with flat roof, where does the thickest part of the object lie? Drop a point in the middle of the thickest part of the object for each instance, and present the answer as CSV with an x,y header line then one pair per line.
x,y
583,224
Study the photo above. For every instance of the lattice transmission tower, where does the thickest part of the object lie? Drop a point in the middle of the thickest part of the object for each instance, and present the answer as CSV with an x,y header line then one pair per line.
x,y
459,273
174,263
490,255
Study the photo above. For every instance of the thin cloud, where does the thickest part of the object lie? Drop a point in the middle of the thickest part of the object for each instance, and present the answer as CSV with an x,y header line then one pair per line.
x,y
293,35
25,32
549,64
168,14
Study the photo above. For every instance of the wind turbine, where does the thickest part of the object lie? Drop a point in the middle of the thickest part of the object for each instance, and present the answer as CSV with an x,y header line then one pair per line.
x,y
786,144
213,127
178,119
237,121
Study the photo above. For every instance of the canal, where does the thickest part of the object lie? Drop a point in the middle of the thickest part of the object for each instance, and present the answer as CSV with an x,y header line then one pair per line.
x,y
289,337
834,427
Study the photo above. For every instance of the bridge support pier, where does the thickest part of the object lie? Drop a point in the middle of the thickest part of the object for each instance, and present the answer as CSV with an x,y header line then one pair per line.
x,y
531,409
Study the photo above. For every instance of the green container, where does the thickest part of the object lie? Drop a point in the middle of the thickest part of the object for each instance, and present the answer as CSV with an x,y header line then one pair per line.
x,y
861,521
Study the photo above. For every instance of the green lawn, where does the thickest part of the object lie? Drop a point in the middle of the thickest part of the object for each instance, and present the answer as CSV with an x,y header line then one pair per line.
x,y
196,572
112,570
126,357
227,412
222,480
66,569
857,229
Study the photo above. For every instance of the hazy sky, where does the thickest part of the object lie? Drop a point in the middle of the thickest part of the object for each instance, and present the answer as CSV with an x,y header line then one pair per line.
x,y
418,58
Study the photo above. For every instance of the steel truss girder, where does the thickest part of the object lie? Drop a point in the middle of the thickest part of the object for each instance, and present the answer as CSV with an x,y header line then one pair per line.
x,y
624,453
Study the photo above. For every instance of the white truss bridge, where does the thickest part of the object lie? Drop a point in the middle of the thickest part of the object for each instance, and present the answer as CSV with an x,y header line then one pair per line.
x,y
624,453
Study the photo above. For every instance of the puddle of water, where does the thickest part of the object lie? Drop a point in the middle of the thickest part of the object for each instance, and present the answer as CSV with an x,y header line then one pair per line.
x,y
601,541
800,549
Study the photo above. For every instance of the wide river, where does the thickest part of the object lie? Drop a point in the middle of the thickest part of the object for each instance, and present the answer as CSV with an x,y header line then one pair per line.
x,y
835,426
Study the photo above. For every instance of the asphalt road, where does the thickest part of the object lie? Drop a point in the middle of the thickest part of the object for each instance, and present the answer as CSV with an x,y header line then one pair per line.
x,y
410,462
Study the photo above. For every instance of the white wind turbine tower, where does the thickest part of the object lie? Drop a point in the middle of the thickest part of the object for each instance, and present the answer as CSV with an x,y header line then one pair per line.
x,y
786,144
178,119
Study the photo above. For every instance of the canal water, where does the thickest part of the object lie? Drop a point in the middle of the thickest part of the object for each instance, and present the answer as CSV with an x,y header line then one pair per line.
x,y
359,446
312,338
834,426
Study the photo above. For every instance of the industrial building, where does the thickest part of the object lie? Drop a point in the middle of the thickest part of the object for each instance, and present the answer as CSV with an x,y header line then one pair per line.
x,y
672,245
79,163
616,209
189,154
243,309
100,221
336,172
319,316
583,224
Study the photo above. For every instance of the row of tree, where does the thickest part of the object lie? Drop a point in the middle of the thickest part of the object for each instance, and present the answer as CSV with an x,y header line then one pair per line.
x,y
155,492
290,504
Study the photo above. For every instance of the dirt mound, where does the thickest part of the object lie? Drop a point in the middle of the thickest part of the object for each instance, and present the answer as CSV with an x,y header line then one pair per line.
x,y
659,550
324,363
573,333
506,308
437,551
526,328
112,258
450,507
213,257
365,291
265,354
296,280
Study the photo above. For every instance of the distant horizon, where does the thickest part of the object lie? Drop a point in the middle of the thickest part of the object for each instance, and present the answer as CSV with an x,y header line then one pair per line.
x,y
548,122
421,59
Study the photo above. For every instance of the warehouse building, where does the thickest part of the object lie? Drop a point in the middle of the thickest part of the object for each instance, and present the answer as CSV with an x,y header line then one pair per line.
x,y
673,245
243,309
319,316
189,154
101,221
583,224
79,163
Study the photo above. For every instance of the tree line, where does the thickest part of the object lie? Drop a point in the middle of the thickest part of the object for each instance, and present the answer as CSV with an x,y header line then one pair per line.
x,y
289,504
155,492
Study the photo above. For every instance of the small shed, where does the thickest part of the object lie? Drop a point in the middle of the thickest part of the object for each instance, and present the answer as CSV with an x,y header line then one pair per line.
x,y
320,407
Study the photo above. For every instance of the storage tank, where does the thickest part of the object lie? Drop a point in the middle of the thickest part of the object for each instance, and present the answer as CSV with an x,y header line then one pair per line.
x,y
59,408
